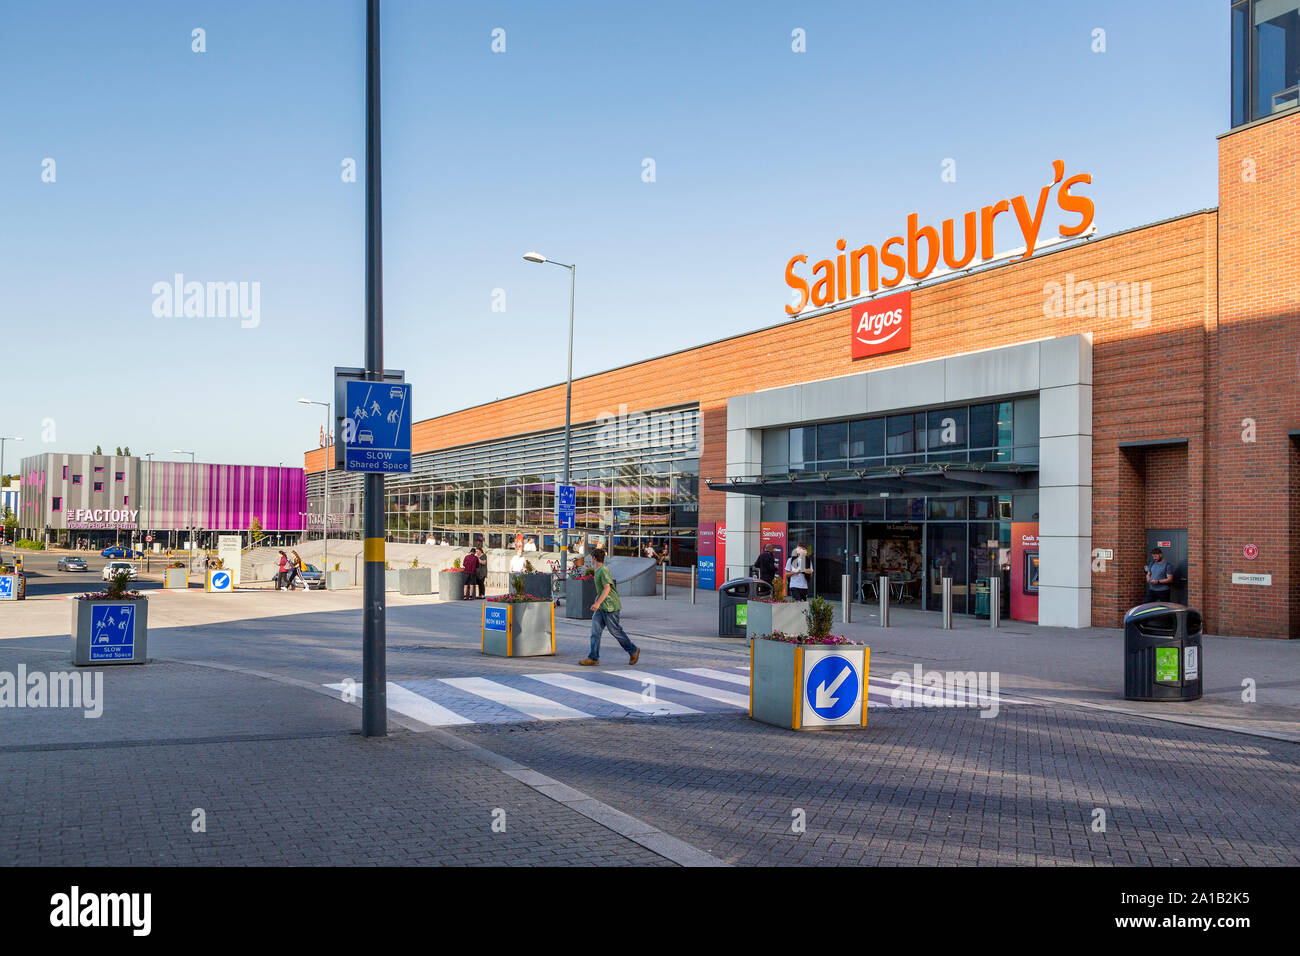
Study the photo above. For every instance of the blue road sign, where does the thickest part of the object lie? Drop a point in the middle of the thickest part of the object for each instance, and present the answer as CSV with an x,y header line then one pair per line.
x,y
377,427
221,580
7,590
832,687
566,503
112,632
494,618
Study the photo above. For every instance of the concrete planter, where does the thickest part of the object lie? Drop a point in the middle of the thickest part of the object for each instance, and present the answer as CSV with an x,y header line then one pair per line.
x,y
805,687
392,580
788,617
415,580
537,584
451,585
338,580
579,596
13,587
176,578
109,632
518,629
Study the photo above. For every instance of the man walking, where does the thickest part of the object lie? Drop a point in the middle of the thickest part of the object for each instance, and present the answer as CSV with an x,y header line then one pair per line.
x,y
1160,576
604,613
766,565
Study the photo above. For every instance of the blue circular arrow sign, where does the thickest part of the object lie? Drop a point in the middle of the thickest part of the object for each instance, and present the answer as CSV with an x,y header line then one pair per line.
x,y
832,687
221,581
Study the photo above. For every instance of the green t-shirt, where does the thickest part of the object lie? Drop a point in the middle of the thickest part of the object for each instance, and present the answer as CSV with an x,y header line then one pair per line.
x,y
603,577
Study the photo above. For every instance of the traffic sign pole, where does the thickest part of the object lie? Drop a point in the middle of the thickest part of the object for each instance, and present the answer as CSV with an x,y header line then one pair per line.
x,y
374,677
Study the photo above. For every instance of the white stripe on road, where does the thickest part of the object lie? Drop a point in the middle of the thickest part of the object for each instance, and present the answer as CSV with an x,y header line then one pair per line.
x,y
411,704
717,675
613,695
520,700
687,687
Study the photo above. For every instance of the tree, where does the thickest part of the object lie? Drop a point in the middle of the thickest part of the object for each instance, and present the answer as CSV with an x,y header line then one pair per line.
x,y
10,523
255,529
119,451
127,451
98,450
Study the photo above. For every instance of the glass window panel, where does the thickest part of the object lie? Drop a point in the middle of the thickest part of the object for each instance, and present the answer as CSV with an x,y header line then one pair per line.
x,y
867,438
947,429
833,442
776,451
984,507
828,558
949,509
1025,421
1276,55
900,436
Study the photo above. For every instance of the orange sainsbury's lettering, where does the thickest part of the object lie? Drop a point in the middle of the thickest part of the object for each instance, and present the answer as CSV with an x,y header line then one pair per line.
x,y
834,280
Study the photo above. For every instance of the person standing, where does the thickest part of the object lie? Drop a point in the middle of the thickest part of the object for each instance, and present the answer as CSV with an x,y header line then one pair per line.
x,y
281,571
295,571
481,576
1160,577
797,571
518,561
470,565
605,612
766,565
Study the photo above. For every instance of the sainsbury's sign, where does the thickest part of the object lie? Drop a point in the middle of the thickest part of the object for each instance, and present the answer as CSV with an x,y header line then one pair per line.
x,y
834,280
882,325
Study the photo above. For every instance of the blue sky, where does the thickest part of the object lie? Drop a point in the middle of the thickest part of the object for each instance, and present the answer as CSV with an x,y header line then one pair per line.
x,y
225,166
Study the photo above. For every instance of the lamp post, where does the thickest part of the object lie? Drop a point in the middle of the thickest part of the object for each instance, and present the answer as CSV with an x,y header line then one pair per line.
x,y
325,517
4,439
193,477
145,505
568,398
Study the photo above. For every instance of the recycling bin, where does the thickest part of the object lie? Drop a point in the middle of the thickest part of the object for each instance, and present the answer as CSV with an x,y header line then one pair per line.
x,y
733,598
1162,652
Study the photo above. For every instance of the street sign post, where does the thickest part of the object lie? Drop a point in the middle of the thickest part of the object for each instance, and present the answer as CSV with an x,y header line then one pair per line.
x,y
377,427
566,502
832,688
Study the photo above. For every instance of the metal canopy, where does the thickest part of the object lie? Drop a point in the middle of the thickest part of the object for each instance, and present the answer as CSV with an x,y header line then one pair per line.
x,y
932,478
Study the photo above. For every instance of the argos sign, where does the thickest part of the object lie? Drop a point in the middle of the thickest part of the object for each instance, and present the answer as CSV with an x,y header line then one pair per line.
x,y
881,325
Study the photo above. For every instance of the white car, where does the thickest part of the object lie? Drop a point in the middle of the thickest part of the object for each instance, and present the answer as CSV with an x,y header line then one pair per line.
x,y
113,567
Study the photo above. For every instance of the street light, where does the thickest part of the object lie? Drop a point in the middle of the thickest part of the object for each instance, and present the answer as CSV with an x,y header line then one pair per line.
x,y
325,522
193,478
568,398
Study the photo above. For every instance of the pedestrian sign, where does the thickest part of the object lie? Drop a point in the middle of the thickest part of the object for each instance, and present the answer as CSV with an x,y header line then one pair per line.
x,y
377,427
112,632
8,591
566,502
833,688
220,582
496,618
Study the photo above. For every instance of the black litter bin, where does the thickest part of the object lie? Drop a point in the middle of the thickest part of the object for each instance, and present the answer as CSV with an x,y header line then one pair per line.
x,y
1162,652
732,600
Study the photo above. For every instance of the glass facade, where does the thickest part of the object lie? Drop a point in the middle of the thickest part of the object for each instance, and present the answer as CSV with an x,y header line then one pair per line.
x,y
1265,58
637,478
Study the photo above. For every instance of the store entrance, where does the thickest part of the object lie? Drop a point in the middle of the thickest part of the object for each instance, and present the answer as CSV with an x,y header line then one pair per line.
x,y
894,550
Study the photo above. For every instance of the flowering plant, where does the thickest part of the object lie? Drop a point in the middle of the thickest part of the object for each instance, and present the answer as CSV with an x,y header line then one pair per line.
x,y
514,598
116,590
830,639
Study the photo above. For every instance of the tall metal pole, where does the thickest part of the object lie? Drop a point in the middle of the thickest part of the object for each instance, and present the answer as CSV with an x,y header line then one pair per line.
x,y
325,539
374,701
568,411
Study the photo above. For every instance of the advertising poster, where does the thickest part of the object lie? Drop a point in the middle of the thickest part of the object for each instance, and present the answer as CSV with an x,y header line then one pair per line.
x,y
1024,571
774,533
708,557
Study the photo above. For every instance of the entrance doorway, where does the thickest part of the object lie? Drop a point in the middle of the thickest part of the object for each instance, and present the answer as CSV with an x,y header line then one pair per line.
x,y
1173,542
894,550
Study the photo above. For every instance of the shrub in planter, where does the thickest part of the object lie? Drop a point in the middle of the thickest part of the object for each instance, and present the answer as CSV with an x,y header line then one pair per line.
x,y
518,625
415,580
110,626
809,680
451,583
777,613
392,579
534,583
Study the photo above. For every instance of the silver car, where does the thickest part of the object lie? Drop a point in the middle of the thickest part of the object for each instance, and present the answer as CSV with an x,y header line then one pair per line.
x,y
72,563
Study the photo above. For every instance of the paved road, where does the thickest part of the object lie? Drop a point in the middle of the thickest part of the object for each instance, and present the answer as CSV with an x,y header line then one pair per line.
x,y
247,710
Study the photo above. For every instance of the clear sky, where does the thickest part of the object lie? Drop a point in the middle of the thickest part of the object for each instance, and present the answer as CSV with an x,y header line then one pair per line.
x,y
225,166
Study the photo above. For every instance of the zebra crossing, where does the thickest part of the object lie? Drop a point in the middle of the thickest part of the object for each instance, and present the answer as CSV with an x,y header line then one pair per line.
x,y
505,698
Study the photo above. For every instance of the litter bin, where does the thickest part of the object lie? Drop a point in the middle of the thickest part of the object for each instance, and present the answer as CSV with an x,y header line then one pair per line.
x,y
1162,652
733,598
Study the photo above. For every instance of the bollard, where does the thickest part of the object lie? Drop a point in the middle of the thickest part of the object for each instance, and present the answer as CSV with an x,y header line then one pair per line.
x,y
947,604
664,578
884,601
693,570
995,601
846,595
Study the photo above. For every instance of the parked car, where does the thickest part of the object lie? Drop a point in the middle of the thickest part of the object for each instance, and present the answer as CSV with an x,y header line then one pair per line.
x,y
117,551
71,563
314,577
113,567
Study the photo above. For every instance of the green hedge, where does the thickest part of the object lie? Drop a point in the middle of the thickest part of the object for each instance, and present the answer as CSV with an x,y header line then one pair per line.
x,y
29,544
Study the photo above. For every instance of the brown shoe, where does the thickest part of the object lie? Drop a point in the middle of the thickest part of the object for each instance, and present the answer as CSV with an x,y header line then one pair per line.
x,y
635,657
588,662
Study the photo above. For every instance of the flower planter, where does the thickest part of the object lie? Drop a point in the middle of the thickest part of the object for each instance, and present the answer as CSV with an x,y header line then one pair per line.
x,y
805,687
788,617
415,581
338,580
518,628
579,596
13,587
109,632
392,580
451,585
536,584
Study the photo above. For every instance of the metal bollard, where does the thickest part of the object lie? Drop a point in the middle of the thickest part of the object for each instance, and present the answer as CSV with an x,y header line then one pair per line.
x,y
664,577
995,601
693,572
883,585
947,604
846,595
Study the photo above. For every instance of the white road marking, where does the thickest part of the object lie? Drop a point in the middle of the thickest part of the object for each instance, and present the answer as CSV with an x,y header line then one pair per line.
x,y
520,700
411,704
688,687
613,695
717,675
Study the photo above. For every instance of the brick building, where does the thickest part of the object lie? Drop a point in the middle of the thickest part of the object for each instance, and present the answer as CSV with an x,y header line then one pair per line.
x,y
1016,431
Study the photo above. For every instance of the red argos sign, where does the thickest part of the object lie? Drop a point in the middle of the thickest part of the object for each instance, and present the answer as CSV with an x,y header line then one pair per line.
x,y
881,325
